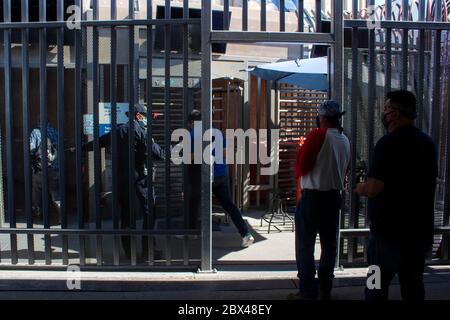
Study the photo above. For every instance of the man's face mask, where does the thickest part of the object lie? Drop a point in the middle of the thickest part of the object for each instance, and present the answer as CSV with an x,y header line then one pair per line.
x,y
384,119
142,120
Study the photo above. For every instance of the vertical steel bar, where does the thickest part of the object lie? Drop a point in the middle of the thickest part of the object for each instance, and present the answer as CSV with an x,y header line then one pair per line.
x,y
282,16
318,10
258,124
388,53
355,4
43,125
9,112
244,15
97,156
301,18
354,136
337,67
371,93
436,105
131,136
186,110
167,102
26,129
206,102
421,71
446,239
114,151
226,14
263,15
61,152
79,133
405,32
150,201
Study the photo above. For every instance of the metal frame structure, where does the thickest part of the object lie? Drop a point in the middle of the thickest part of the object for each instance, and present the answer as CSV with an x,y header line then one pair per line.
x,y
335,39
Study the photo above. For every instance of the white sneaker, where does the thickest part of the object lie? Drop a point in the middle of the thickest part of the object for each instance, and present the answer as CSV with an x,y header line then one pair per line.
x,y
247,241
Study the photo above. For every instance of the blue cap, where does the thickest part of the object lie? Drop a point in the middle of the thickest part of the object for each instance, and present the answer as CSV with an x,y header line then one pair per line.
x,y
330,109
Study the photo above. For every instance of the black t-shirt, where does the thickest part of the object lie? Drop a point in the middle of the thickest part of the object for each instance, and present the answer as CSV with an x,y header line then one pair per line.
x,y
406,161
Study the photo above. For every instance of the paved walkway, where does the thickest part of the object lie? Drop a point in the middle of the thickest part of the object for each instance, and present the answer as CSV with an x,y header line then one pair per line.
x,y
235,283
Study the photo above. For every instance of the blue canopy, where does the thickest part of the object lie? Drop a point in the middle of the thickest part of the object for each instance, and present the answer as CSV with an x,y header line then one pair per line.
x,y
309,74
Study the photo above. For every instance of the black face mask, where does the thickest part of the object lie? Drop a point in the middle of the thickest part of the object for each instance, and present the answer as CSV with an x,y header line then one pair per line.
x,y
318,122
384,120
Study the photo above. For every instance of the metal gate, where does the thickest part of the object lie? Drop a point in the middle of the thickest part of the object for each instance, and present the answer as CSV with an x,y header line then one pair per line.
x,y
65,74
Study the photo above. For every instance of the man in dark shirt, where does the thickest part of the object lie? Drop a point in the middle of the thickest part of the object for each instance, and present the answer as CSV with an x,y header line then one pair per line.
x,y
401,186
140,171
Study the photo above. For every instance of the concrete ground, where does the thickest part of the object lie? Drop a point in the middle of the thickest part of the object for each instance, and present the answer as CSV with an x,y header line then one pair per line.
x,y
265,271
236,283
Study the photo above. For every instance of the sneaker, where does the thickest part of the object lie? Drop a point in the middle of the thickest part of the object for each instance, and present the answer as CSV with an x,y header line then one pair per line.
x,y
247,241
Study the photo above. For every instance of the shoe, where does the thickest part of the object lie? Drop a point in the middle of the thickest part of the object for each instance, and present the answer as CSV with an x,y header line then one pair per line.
x,y
300,296
247,241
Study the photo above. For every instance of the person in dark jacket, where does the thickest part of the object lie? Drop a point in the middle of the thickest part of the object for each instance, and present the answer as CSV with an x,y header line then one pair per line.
x,y
401,187
140,171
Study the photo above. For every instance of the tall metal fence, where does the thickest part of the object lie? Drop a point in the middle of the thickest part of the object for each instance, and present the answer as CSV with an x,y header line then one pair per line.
x,y
59,75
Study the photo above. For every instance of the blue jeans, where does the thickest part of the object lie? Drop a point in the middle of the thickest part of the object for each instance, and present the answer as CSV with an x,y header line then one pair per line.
x,y
407,260
317,212
221,191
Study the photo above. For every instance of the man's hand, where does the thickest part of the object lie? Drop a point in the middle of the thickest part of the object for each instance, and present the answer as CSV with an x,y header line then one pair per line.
x,y
371,188
360,189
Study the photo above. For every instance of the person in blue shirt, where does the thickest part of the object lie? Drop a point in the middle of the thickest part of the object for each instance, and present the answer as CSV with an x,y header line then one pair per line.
x,y
53,167
220,187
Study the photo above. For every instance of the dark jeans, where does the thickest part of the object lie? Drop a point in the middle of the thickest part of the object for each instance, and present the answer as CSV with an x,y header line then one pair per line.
x,y
148,222
408,261
317,212
221,191
54,198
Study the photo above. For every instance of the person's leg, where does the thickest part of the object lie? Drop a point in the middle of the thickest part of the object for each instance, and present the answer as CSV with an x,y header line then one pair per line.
x,y
328,227
412,266
194,172
385,256
125,221
54,194
305,239
36,193
222,193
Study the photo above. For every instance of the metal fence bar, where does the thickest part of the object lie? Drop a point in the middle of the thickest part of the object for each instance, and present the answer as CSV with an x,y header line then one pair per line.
x,y
185,113
85,232
151,206
263,17
250,37
97,156
206,103
244,15
300,22
388,54
131,136
43,124
318,10
371,93
26,130
446,222
436,104
9,112
405,51
114,151
282,16
61,118
79,135
167,187
416,25
421,71
226,13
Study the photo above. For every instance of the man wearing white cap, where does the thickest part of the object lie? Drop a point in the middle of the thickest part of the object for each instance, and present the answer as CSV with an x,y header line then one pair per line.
x,y
321,163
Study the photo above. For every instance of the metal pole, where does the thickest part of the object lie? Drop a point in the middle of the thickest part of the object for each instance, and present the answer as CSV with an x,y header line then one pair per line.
x,y
206,225
337,69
